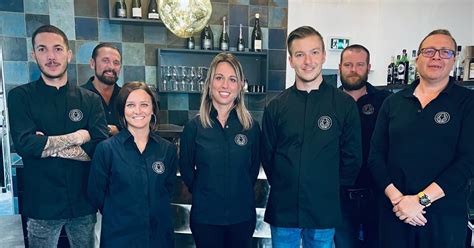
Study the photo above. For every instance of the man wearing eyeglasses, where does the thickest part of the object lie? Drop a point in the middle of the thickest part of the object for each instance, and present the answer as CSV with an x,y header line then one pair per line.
x,y
422,156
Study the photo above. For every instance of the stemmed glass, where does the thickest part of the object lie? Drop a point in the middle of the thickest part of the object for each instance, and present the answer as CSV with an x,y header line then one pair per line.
x,y
165,76
182,77
174,83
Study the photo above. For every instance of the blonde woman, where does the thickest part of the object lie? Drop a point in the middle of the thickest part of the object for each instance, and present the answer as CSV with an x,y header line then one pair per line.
x,y
219,160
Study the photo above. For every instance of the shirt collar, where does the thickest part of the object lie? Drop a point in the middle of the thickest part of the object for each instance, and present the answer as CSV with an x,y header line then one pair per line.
x,y
90,86
213,114
42,85
124,136
411,88
323,86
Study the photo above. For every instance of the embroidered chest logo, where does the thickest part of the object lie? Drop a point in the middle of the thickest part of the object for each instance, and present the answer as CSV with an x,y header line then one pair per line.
x,y
442,117
240,139
368,109
75,115
324,122
158,167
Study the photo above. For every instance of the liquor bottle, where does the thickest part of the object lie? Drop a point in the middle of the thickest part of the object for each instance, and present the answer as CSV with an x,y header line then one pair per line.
x,y
207,38
190,42
470,72
240,41
458,69
153,10
412,67
120,9
257,35
390,70
397,77
224,39
136,9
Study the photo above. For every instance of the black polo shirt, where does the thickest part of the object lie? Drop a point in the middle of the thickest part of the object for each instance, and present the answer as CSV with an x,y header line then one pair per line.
x,y
110,109
369,106
133,190
220,167
412,147
54,188
311,145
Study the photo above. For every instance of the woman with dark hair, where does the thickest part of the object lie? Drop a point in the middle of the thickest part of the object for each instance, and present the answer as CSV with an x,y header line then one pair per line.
x,y
219,160
133,174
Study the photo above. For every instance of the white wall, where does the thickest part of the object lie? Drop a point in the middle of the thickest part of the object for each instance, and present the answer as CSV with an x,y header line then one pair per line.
x,y
385,27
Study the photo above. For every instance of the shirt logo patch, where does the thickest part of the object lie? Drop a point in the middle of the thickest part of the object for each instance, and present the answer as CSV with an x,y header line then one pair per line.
x,y
324,122
240,139
442,117
158,167
368,109
75,115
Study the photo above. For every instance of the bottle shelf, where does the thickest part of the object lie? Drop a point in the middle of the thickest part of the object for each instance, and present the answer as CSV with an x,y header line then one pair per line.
x,y
129,19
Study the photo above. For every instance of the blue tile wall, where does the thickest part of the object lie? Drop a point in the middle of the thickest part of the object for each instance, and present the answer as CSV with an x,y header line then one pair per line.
x,y
34,72
86,23
11,5
133,73
178,101
86,28
34,21
109,32
277,39
84,51
36,7
14,72
14,49
13,24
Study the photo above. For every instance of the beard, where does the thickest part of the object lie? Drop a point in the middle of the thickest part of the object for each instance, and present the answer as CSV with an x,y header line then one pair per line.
x,y
357,85
51,76
107,79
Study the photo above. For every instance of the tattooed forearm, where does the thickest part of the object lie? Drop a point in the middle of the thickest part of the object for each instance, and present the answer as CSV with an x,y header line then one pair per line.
x,y
56,144
75,153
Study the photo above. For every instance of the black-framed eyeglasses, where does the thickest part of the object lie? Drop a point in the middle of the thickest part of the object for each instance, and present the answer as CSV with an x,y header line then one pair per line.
x,y
431,52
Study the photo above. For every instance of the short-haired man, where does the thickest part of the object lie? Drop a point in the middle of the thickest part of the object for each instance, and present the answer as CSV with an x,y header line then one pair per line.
x,y
55,127
311,144
357,201
106,62
421,154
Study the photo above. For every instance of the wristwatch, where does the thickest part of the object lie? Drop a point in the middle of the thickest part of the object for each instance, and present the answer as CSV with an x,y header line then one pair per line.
x,y
424,200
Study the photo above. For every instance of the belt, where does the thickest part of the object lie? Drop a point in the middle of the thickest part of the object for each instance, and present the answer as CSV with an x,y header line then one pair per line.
x,y
356,194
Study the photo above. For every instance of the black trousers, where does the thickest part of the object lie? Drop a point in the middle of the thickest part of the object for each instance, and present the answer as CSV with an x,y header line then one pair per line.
x,y
360,220
223,236
441,231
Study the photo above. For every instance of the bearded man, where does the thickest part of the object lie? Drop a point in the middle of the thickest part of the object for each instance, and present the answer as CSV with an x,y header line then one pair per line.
x,y
357,202
106,62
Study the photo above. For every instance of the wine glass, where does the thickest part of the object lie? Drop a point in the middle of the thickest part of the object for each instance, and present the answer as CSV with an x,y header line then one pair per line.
x,y
174,83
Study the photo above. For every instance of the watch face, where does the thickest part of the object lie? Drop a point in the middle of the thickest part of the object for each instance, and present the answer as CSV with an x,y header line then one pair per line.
x,y
425,201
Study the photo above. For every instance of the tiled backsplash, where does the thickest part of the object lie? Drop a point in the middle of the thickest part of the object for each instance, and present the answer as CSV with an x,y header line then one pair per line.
x,y
86,23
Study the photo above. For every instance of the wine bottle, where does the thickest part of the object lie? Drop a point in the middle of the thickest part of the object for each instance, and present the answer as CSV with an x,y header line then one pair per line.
x,y
120,9
190,42
458,69
224,39
240,41
153,10
136,9
390,69
412,67
207,38
257,35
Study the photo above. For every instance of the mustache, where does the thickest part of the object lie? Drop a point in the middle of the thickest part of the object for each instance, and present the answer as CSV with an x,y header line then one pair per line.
x,y
110,70
52,62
